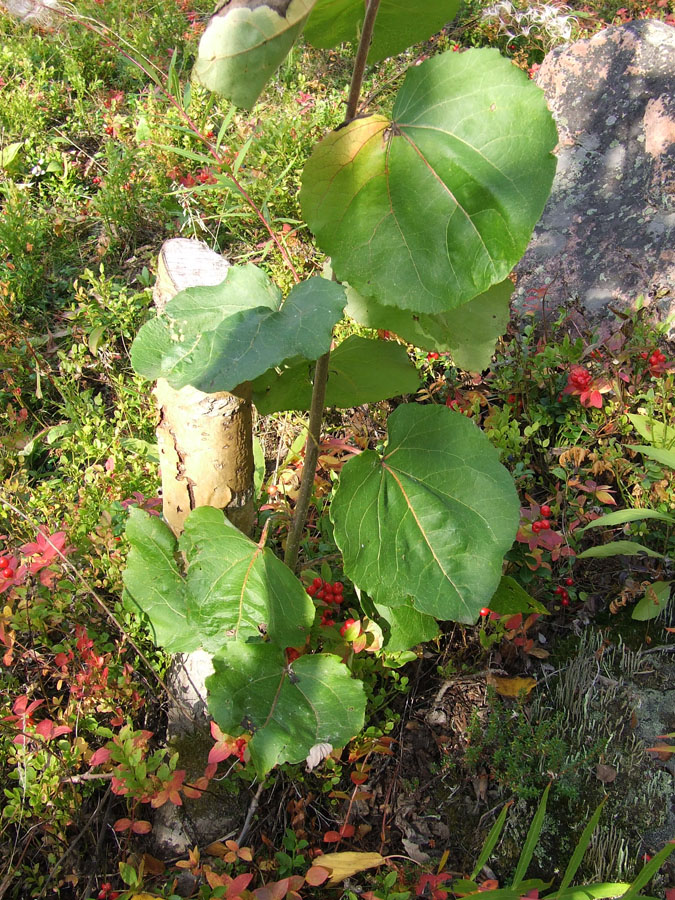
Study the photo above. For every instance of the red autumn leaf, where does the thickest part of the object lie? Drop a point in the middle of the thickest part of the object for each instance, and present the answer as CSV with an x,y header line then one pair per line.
x,y
331,837
100,757
141,827
122,825
316,875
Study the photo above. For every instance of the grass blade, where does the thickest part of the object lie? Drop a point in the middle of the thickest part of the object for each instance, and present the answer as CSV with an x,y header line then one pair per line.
x,y
531,840
648,871
491,841
580,850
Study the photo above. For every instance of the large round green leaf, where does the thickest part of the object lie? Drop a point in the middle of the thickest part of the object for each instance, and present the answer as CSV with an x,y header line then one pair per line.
x,y
244,44
428,210
469,333
407,627
216,338
431,519
399,23
154,584
361,371
234,589
237,590
289,708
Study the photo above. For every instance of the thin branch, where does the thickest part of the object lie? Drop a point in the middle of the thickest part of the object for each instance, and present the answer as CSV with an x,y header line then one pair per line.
x,y
309,466
360,61
255,802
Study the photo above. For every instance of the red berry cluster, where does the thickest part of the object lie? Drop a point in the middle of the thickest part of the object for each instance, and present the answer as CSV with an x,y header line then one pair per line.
x,y
5,567
580,379
107,893
563,593
656,360
330,594
542,524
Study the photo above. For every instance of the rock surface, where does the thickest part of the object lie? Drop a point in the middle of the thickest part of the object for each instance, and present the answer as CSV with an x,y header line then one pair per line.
x,y
39,13
606,235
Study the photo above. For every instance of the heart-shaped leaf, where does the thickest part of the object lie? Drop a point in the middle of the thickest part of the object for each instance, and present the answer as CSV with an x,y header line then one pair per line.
x,y
431,519
244,44
154,584
361,371
469,333
216,338
428,210
289,708
238,590
399,23
234,589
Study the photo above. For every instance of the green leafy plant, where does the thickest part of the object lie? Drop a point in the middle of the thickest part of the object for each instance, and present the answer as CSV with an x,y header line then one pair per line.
x,y
423,524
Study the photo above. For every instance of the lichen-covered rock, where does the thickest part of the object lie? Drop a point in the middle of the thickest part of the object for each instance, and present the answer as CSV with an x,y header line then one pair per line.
x,y
607,233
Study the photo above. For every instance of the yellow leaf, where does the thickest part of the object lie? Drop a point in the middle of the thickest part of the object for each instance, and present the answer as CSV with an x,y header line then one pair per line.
x,y
344,865
511,687
144,896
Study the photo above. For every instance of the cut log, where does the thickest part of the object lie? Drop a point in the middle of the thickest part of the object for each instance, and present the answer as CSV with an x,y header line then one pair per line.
x,y
205,440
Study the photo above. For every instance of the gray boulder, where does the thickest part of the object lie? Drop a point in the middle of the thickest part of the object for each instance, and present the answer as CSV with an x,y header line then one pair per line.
x,y
606,235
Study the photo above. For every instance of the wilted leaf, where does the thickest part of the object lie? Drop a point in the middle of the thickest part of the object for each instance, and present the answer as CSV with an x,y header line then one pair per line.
x,y
344,865
244,44
317,754
511,687
605,774
654,601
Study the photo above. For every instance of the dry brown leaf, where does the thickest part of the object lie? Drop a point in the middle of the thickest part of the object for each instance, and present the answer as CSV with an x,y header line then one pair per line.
x,y
511,687
344,865
605,774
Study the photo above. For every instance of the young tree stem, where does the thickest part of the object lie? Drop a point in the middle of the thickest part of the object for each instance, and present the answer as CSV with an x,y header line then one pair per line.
x,y
311,457
361,57
321,369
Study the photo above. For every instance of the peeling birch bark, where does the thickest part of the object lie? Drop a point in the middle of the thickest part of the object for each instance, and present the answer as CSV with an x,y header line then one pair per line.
x,y
205,440
205,446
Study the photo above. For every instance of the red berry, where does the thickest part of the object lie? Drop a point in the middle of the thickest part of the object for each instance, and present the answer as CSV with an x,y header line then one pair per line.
x,y
317,582
339,599
311,590
321,594
569,582
338,587
7,573
564,595
4,563
536,527
545,524
292,654
558,590
485,611
545,510
565,601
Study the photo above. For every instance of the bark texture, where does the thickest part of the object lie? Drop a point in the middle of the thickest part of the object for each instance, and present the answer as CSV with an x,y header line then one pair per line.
x,y
205,440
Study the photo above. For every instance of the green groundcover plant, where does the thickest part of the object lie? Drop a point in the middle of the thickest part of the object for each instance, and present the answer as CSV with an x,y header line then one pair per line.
x,y
423,213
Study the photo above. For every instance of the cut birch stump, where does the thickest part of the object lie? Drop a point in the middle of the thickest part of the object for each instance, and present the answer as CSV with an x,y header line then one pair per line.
x,y
205,440
205,444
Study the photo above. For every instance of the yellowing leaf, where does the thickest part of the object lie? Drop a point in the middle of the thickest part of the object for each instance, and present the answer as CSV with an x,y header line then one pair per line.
x,y
344,865
144,896
511,687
